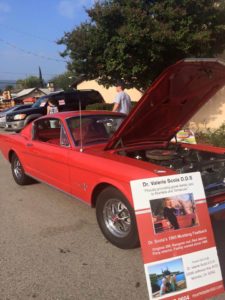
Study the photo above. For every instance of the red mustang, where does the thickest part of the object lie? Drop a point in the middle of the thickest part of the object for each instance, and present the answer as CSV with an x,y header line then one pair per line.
x,y
85,155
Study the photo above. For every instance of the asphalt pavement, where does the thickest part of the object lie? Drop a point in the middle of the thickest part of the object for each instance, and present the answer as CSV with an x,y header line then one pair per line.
x,y
52,249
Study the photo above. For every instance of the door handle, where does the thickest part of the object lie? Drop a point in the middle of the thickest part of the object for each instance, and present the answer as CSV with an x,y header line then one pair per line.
x,y
29,144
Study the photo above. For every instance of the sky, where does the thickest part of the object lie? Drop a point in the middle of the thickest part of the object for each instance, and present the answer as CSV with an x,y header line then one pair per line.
x,y
28,31
173,266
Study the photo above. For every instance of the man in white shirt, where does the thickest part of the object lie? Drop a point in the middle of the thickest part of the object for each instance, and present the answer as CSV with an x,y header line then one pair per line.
x,y
122,101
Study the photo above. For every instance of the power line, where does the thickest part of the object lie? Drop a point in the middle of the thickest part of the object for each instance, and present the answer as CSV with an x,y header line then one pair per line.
x,y
27,34
28,73
32,53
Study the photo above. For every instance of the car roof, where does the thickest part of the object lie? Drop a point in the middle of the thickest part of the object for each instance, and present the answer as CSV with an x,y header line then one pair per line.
x,y
70,114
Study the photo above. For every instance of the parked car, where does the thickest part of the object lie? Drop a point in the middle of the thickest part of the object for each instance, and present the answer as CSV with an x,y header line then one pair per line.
x,y
4,112
66,101
2,115
94,155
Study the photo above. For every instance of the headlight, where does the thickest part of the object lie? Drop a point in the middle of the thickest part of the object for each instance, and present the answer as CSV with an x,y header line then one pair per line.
x,y
20,117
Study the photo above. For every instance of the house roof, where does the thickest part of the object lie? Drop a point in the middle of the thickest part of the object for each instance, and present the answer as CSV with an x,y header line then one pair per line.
x,y
46,91
27,92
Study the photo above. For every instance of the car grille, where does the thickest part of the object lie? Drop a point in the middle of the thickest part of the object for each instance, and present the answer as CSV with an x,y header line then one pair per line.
x,y
9,118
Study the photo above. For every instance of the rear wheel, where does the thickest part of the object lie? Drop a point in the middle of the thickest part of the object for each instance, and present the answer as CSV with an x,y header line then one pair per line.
x,y
18,172
116,219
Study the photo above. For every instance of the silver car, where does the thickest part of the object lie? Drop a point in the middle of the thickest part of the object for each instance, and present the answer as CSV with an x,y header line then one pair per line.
x,y
4,112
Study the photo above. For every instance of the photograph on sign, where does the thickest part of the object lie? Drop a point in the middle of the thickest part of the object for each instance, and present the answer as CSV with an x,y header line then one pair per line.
x,y
173,213
166,278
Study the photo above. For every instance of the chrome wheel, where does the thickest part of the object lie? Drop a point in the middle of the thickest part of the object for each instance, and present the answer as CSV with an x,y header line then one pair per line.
x,y
117,218
18,171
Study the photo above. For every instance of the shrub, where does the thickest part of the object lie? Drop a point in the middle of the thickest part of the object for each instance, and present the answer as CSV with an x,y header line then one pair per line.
x,y
212,137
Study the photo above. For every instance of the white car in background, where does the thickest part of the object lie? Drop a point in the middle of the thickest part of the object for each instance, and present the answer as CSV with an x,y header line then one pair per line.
x,y
4,112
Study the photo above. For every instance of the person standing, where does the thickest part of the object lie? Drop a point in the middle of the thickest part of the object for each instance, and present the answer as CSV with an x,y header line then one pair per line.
x,y
51,108
163,288
122,101
173,283
169,213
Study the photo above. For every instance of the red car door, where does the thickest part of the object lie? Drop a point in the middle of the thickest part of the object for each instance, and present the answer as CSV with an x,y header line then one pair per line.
x,y
47,154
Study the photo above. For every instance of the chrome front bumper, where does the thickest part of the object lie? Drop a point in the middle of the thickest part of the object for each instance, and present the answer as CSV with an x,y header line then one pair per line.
x,y
15,125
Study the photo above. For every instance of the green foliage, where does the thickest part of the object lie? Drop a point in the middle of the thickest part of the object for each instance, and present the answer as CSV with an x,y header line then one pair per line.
x,y
136,39
9,87
29,82
212,137
63,81
41,81
154,282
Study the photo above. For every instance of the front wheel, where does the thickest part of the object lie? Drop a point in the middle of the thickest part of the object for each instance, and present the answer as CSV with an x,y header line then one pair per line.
x,y
18,172
116,219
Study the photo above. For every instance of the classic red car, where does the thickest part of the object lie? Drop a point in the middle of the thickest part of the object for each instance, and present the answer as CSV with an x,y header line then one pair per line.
x,y
85,155
184,221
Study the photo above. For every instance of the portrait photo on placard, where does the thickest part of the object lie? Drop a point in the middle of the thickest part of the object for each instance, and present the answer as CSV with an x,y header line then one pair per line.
x,y
173,213
167,277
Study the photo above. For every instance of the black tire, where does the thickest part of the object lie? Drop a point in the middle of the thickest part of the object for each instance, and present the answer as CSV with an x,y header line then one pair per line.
x,y
116,219
18,172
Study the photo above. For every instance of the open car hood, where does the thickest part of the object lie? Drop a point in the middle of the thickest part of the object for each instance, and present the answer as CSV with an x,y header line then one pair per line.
x,y
170,102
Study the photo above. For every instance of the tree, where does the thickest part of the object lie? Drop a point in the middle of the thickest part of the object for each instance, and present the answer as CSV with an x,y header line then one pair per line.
x,y
63,81
41,81
136,39
9,87
29,82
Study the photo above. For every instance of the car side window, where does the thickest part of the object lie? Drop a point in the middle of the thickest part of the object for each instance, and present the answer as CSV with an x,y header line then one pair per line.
x,y
50,131
63,137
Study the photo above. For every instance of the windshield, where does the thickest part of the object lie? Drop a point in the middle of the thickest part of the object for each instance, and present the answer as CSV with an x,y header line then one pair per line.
x,y
95,129
40,102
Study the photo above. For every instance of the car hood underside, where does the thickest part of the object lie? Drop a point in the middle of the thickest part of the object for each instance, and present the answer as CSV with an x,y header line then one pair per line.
x,y
169,103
